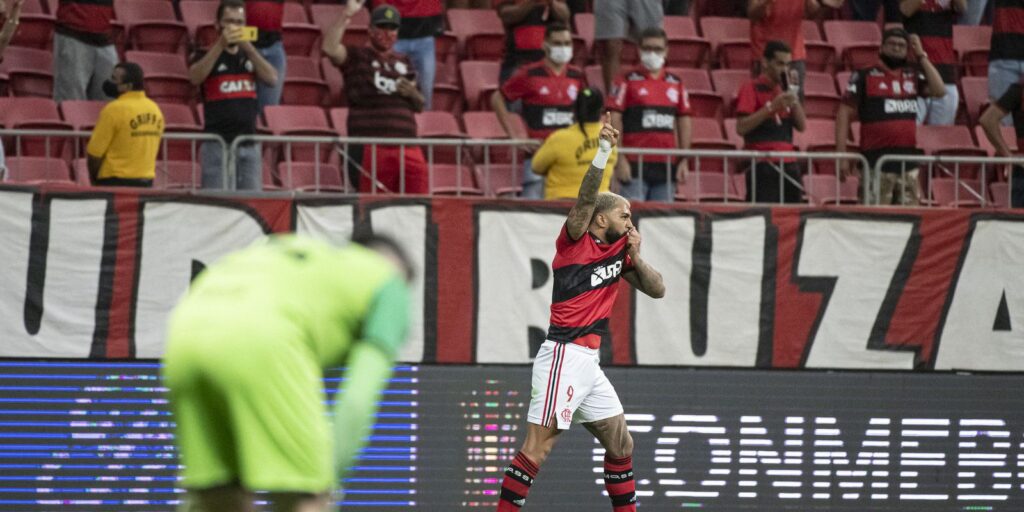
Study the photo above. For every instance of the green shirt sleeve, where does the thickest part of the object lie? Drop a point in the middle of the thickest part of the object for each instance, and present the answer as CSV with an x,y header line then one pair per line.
x,y
387,321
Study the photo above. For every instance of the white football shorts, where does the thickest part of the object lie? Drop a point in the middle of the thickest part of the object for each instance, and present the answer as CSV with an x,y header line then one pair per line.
x,y
570,386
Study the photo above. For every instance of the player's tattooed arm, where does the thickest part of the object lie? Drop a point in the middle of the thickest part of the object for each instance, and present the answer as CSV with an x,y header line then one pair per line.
x,y
642,276
581,213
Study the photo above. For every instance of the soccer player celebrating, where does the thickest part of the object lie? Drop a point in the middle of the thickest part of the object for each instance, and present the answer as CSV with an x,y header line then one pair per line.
x,y
597,245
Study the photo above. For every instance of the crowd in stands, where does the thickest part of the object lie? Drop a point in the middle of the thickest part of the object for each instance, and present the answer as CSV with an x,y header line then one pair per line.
x,y
875,77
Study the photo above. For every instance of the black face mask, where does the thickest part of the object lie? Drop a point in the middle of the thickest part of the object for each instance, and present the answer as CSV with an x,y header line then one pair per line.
x,y
892,62
110,89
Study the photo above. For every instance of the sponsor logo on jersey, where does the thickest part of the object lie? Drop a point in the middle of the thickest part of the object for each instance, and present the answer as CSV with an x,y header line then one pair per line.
x,y
236,86
602,274
556,118
905,106
654,120
384,84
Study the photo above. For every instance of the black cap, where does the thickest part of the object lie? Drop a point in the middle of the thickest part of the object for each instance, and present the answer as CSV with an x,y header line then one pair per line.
x,y
385,15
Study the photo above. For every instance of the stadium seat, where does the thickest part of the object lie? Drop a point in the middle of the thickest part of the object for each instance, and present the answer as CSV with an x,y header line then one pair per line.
x,y
826,189
166,76
819,83
818,132
324,15
936,140
454,180
178,175
305,91
709,164
975,96
485,125
728,83
29,113
1009,136
706,104
310,177
442,125
944,192
335,82
299,120
857,42
972,44
300,37
821,106
693,79
339,120
152,25
81,114
479,31
1000,194
30,170
199,17
80,172
584,23
821,55
29,72
811,31
707,187
479,81
34,31
730,40
686,48
706,129
729,126
179,118
303,67
447,98
500,180
594,77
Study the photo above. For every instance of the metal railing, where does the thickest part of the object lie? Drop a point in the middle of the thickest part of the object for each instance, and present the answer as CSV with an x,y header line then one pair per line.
x,y
950,180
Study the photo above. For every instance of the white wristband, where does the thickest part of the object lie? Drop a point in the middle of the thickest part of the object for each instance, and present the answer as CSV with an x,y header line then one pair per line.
x,y
604,150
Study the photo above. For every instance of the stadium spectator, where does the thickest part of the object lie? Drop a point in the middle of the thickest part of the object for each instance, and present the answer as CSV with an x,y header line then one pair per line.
x,y
615,20
651,107
1006,51
548,89
422,21
123,147
267,17
10,25
229,74
1012,102
932,21
885,98
83,55
382,99
867,10
524,22
767,112
781,20
566,154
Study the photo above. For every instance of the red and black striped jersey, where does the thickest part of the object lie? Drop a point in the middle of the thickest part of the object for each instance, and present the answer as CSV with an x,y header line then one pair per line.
x,y
649,108
86,20
375,107
886,102
524,41
587,273
229,96
547,97
420,18
934,24
1007,31
775,134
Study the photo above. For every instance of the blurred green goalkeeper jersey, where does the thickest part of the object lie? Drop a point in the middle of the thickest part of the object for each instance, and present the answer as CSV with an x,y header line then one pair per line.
x,y
328,297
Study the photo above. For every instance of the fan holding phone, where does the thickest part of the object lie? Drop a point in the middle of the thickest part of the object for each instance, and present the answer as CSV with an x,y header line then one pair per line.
x,y
227,74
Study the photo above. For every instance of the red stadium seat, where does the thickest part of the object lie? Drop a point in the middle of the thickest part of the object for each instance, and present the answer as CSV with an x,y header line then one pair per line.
x,y
479,81
80,172
152,25
310,177
686,48
818,132
857,42
199,17
299,120
480,32
34,31
972,44
324,15
335,82
706,104
728,83
500,180
999,193
303,67
485,125
34,7
584,23
305,91
299,36
730,40
821,106
447,98
339,120
454,180
30,113
179,118
693,79
825,189
166,76
821,55
29,72
706,129
1009,136
811,31
441,125
36,170
935,140
729,126
707,186
819,83
81,114
975,95
178,175
944,192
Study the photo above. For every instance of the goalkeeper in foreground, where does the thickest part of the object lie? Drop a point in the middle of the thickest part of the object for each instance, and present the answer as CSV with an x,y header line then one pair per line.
x,y
244,364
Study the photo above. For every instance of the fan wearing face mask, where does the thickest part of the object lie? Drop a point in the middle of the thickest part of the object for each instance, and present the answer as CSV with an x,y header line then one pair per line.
x,y
383,100
548,90
885,97
651,107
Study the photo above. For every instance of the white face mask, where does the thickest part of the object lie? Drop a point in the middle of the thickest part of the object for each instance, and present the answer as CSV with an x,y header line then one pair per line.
x,y
653,61
560,54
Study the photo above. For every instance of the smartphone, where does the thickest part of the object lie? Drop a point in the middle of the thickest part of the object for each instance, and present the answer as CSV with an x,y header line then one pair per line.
x,y
250,34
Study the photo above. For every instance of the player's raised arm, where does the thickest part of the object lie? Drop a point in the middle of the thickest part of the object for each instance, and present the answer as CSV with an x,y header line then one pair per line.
x,y
580,215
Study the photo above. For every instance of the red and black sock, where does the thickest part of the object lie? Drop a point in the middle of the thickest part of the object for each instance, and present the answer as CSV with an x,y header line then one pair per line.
x,y
519,477
618,479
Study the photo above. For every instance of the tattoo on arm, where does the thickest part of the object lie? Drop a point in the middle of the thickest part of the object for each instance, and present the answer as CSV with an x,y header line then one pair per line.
x,y
579,216
643,277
